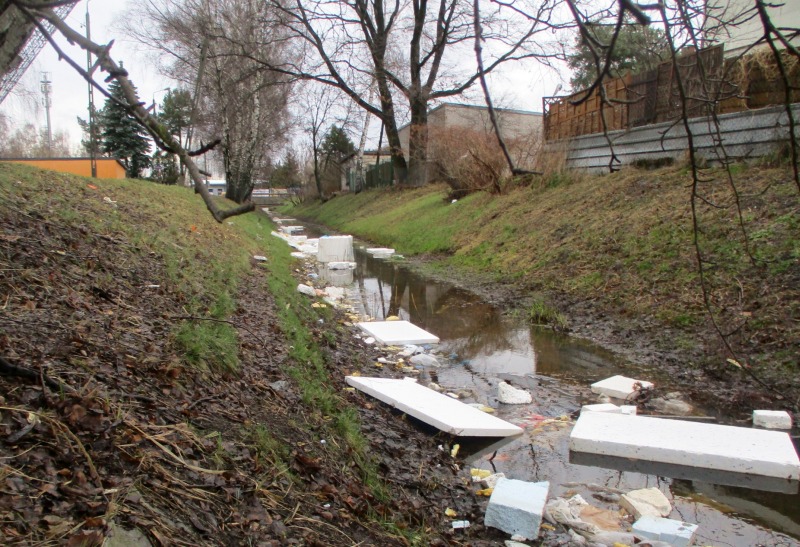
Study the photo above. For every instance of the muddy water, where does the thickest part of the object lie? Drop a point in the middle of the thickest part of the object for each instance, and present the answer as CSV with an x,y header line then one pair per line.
x,y
481,346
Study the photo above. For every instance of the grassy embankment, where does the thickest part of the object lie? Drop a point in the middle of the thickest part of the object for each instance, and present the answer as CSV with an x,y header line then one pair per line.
x,y
205,262
622,242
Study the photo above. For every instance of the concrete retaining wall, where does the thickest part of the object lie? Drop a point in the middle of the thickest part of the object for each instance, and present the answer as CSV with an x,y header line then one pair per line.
x,y
748,134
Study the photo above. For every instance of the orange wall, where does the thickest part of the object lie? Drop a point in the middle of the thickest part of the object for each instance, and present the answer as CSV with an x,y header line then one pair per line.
x,y
106,168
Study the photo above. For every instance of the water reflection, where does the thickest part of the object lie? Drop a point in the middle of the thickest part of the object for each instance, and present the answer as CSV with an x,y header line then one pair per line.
x,y
475,333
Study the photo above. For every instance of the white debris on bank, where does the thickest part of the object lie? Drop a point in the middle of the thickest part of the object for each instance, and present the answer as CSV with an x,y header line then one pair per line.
x,y
516,507
397,332
306,289
510,395
574,512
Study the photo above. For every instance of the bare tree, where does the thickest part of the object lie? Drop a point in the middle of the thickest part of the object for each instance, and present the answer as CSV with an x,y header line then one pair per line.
x,y
220,48
321,107
355,44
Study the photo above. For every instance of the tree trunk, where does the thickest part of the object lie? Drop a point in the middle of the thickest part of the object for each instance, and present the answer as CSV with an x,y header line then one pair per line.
x,y
418,144
392,134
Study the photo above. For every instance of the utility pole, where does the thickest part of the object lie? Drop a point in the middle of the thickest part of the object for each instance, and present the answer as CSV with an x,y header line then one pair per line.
x,y
47,88
92,155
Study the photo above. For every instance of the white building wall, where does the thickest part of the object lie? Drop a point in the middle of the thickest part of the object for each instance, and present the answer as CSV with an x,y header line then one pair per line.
x,y
514,124
745,27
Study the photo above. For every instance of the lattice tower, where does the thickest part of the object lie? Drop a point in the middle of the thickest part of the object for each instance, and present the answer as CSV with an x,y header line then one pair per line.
x,y
32,48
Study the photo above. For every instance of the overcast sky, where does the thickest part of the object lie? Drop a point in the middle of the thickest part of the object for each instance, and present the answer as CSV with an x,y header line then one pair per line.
x,y
518,88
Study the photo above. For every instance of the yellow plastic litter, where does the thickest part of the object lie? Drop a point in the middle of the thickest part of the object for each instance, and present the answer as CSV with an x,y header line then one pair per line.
x,y
485,492
487,409
479,473
450,513
547,527
454,451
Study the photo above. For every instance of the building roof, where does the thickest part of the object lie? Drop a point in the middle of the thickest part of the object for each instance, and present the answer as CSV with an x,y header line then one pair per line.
x,y
484,107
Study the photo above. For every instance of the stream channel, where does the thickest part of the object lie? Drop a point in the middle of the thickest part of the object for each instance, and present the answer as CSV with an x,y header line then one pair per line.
x,y
480,346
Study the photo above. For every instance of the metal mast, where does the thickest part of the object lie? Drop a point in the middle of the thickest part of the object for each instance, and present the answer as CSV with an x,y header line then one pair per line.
x,y
92,139
47,88
32,48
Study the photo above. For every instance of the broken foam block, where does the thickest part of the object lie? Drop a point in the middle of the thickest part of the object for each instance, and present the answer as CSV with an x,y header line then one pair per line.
x,y
619,387
516,507
772,419
510,395
646,502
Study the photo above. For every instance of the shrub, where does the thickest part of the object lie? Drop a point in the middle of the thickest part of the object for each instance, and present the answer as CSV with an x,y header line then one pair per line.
x,y
467,160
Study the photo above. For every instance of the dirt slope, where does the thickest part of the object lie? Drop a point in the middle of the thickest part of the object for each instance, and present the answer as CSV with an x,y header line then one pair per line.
x,y
106,431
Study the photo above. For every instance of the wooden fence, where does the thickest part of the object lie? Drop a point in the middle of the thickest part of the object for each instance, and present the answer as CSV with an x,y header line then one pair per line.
x,y
711,84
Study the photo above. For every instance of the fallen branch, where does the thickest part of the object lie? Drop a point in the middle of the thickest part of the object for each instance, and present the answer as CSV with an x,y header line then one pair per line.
x,y
12,370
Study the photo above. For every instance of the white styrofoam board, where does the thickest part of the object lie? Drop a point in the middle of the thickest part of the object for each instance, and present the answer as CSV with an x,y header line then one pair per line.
x,y
397,333
618,386
434,408
693,444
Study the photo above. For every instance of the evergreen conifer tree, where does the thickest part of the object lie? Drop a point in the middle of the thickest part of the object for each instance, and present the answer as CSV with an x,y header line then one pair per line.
x,y
121,136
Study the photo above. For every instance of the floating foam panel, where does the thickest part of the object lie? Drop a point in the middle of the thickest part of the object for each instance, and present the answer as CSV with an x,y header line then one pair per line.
x,y
397,333
679,442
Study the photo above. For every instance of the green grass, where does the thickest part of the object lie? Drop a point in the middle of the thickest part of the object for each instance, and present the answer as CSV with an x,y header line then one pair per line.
x,y
207,345
271,451
541,313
